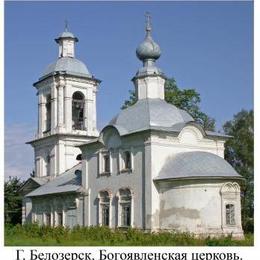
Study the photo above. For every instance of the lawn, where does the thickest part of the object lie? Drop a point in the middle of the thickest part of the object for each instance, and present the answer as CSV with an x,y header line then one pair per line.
x,y
34,235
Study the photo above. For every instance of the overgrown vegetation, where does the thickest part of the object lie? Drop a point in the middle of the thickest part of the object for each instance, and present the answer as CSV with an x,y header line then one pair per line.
x,y
13,200
239,152
34,235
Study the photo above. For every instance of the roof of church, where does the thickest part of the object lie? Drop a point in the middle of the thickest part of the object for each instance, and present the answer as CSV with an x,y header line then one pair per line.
x,y
196,164
66,34
69,65
69,181
38,180
146,113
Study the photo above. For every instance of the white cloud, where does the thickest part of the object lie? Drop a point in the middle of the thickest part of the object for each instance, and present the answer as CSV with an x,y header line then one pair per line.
x,y
18,155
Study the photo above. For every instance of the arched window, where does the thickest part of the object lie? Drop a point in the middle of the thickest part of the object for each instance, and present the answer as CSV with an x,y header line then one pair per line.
x,y
78,111
104,206
125,202
79,157
230,214
231,208
48,113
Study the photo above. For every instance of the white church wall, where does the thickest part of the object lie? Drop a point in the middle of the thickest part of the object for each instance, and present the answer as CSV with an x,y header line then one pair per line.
x,y
70,205
150,87
164,146
26,210
197,207
194,208
116,180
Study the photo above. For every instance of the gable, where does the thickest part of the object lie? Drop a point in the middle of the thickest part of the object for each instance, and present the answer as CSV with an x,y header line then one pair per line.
x,y
190,135
110,137
29,186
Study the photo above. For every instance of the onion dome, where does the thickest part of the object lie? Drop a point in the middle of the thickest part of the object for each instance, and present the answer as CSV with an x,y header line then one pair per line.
x,y
148,49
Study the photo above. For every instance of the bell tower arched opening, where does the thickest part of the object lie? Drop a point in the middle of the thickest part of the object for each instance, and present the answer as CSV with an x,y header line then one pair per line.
x,y
78,111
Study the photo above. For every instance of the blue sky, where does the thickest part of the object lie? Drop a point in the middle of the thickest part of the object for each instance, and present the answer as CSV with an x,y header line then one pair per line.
x,y
205,45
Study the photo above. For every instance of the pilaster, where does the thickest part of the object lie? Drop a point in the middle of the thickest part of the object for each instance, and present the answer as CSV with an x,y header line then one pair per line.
x,y
89,115
53,108
60,91
41,115
68,108
94,114
61,157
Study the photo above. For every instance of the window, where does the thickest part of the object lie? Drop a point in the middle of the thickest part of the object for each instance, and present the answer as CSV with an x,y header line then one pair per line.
x,y
126,215
59,219
48,113
78,111
127,160
47,219
104,164
230,214
104,204
48,165
125,207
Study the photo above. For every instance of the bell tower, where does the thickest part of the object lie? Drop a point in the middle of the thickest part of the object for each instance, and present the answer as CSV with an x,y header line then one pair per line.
x,y
66,110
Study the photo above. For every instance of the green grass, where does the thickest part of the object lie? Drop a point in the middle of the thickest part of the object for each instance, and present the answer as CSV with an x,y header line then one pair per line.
x,y
34,235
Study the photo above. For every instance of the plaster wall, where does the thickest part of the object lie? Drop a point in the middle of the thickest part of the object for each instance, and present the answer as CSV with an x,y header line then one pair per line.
x,y
162,147
69,204
150,87
133,180
192,208
197,207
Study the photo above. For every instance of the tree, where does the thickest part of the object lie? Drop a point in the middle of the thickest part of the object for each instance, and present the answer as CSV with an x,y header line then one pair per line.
x,y
186,99
239,152
13,200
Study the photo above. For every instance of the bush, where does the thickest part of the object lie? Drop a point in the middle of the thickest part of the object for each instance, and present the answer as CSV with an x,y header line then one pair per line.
x,y
33,234
248,225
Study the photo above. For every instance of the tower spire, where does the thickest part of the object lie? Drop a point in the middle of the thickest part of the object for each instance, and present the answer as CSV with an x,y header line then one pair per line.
x,y
66,25
149,79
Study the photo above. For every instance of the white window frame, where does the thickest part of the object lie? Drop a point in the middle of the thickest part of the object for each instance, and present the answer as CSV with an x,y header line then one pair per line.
x,y
233,212
101,204
230,194
120,206
102,171
122,168
57,218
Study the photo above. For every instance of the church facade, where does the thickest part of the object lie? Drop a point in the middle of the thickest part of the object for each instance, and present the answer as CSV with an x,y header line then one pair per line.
x,y
152,167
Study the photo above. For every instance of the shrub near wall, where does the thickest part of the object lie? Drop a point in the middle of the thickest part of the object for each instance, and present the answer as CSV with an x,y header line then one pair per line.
x,y
34,235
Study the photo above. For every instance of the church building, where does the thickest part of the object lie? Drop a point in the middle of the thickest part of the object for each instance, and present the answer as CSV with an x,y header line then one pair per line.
x,y
152,167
